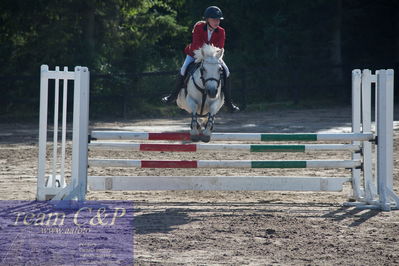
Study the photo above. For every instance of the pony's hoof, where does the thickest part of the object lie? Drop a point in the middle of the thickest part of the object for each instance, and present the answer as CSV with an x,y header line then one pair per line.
x,y
205,138
195,138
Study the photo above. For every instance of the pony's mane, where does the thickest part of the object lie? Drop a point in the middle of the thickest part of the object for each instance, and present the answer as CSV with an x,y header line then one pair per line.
x,y
207,50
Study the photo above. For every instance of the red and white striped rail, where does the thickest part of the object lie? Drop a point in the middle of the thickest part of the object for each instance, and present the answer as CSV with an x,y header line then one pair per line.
x,y
222,147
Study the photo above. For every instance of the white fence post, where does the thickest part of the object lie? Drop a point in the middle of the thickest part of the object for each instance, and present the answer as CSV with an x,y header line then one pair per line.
x,y
42,132
356,114
385,140
53,186
80,133
369,185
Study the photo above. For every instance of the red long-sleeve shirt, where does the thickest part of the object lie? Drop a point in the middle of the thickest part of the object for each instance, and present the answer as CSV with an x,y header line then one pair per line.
x,y
200,37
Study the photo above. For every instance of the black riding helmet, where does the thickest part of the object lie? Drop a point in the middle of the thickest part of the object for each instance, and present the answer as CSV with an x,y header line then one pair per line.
x,y
213,12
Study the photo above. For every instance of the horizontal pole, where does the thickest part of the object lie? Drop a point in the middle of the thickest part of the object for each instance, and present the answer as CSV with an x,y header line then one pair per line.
x,y
225,163
127,135
216,183
222,147
59,75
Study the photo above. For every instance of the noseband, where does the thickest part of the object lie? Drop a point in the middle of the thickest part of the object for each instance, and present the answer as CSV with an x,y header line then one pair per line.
x,y
204,81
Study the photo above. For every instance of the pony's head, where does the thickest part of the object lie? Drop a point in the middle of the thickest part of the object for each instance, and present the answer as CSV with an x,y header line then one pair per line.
x,y
211,67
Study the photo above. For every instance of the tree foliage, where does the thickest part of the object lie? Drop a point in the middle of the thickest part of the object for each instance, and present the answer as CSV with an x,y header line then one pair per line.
x,y
278,50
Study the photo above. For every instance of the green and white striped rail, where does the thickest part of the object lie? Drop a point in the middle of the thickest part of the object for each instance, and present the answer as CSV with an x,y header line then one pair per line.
x,y
225,163
176,136
222,147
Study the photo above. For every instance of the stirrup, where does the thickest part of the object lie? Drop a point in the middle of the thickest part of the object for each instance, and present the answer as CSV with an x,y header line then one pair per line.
x,y
168,99
232,107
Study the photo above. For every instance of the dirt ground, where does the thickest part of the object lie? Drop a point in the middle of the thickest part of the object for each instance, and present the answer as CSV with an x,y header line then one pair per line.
x,y
231,228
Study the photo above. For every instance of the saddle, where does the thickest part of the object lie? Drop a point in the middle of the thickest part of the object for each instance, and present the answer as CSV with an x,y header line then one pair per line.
x,y
192,67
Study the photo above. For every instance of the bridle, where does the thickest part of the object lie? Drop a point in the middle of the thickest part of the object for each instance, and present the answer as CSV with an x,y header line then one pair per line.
x,y
204,81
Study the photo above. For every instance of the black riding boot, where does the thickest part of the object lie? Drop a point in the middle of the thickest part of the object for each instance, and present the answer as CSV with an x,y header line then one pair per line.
x,y
227,97
172,97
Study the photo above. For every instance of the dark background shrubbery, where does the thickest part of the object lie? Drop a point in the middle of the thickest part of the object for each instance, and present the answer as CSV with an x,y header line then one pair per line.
x,y
280,52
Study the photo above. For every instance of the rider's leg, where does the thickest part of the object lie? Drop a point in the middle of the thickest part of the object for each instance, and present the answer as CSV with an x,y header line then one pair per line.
x,y
227,90
173,95
226,69
189,59
179,81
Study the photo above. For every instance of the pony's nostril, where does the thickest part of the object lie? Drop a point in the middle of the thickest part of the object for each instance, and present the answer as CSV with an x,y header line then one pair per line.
x,y
212,93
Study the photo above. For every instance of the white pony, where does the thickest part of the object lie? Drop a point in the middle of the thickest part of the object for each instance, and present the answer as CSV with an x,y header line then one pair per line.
x,y
203,97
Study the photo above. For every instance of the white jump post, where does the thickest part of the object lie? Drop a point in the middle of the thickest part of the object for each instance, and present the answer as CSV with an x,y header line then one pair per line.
x,y
376,189
54,186
356,126
372,187
385,139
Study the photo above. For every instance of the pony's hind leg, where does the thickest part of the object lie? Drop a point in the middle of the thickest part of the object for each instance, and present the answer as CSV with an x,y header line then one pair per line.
x,y
213,109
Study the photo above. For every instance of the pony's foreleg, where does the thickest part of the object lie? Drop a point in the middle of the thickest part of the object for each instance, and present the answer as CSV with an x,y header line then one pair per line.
x,y
194,125
209,124
206,134
195,128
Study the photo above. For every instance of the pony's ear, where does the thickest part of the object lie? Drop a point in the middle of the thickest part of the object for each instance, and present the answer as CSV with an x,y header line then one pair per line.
x,y
220,53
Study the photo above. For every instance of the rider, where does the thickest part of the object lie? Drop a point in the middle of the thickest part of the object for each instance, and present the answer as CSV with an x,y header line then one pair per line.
x,y
209,32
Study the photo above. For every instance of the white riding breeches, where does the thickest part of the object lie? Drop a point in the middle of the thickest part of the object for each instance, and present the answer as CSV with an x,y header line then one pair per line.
x,y
190,59
187,61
